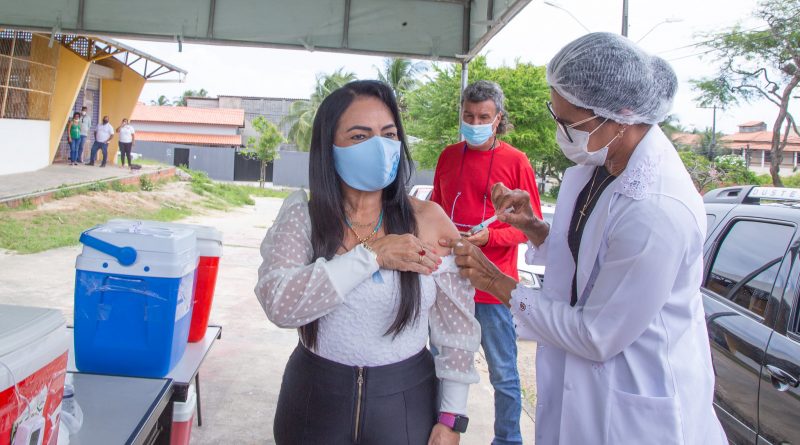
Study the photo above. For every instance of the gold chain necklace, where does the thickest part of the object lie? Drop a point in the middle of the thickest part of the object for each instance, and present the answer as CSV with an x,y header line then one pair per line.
x,y
365,240
593,193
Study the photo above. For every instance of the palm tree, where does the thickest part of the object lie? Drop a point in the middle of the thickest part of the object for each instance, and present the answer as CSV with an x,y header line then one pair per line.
x,y
302,112
181,101
401,75
161,101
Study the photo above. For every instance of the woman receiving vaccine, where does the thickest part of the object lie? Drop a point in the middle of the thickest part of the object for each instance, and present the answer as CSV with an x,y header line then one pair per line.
x,y
358,271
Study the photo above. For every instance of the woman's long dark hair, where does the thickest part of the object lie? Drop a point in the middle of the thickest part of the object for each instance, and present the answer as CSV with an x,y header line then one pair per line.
x,y
326,206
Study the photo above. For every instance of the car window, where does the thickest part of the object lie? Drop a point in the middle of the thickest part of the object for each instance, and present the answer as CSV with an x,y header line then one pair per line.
x,y
747,261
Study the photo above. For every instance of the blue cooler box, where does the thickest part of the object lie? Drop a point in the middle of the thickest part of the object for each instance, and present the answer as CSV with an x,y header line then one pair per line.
x,y
133,299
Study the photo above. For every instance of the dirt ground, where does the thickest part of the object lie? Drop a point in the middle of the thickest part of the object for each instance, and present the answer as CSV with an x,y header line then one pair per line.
x,y
176,192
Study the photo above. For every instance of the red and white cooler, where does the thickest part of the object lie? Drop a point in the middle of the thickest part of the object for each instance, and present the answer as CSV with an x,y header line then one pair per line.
x,y
183,418
33,364
209,248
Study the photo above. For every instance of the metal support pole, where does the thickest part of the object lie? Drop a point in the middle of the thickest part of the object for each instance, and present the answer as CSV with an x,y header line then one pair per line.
x,y
464,83
625,18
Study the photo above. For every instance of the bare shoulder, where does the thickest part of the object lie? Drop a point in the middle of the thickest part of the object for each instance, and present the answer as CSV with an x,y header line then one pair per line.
x,y
433,223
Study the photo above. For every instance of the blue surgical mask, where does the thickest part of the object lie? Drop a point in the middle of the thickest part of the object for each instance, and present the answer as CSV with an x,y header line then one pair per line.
x,y
370,165
477,134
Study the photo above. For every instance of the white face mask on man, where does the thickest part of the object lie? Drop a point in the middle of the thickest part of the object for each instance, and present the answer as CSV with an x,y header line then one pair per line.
x,y
577,151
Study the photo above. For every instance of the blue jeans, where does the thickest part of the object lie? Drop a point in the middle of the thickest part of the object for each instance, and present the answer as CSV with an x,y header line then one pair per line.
x,y
499,342
81,141
73,150
99,146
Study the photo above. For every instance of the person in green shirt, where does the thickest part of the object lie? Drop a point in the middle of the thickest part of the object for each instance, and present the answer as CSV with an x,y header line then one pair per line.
x,y
74,138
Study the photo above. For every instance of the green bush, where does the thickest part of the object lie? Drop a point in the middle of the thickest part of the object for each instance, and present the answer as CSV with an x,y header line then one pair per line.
x,y
146,184
98,187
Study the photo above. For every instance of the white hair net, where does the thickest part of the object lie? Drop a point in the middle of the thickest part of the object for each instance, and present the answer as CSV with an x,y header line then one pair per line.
x,y
610,75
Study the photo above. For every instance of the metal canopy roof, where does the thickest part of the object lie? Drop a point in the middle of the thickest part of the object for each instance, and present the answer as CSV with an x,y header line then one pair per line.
x,y
94,48
448,30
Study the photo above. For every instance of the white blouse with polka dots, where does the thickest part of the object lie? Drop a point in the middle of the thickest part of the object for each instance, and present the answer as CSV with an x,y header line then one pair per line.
x,y
355,307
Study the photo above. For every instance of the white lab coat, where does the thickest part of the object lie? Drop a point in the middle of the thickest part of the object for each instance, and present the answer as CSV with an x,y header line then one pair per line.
x,y
630,363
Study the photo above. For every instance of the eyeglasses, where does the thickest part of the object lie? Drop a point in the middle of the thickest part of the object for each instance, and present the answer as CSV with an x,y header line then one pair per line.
x,y
564,126
461,226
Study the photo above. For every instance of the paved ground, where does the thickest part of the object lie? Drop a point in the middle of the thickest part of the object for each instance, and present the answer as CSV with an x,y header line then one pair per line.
x,y
58,175
241,376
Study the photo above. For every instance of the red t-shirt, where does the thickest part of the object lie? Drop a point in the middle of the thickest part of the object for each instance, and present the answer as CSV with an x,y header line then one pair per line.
x,y
469,173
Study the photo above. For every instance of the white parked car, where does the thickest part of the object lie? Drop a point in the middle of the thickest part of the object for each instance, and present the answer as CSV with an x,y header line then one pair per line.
x,y
533,276
530,276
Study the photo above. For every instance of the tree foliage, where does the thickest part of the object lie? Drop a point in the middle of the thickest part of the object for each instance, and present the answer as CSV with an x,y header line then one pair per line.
x,y
301,113
722,171
402,75
761,63
161,101
433,113
265,146
181,101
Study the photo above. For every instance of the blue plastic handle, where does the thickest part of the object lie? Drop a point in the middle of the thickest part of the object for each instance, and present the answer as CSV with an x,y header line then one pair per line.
x,y
124,255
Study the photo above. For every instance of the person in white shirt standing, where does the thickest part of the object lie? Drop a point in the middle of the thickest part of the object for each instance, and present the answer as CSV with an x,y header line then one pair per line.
x,y
102,135
127,135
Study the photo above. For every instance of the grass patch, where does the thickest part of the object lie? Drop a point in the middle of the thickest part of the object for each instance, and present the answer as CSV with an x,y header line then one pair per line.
x,y
143,161
118,186
42,230
220,196
50,230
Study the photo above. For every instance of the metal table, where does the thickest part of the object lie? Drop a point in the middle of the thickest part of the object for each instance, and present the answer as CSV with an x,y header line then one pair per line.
x,y
180,378
121,410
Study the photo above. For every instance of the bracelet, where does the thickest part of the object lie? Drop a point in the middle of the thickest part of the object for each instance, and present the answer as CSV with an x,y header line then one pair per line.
x,y
369,249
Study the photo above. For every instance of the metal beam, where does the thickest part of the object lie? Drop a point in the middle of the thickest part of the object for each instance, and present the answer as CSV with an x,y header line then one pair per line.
x,y
211,13
510,13
81,9
346,30
466,28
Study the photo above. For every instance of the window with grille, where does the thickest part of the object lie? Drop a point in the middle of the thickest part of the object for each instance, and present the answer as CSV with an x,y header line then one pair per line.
x,y
27,74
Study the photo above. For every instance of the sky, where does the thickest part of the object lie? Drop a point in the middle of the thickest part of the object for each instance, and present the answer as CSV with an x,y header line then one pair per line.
x,y
534,36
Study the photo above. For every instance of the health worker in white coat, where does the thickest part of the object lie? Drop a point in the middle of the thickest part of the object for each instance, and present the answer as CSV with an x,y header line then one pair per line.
x,y
623,352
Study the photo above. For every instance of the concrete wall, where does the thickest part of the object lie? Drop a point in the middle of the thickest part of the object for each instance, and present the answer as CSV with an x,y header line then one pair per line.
x,y
24,145
217,162
185,128
70,71
118,99
291,170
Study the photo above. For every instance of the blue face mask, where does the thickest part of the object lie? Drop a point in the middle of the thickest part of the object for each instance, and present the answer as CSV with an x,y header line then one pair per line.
x,y
477,134
370,165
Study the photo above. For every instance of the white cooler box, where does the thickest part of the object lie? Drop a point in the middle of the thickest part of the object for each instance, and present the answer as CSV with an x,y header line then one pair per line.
x,y
33,363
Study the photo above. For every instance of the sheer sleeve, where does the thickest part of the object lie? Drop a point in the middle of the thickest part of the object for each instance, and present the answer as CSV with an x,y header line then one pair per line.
x,y
456,334
293,289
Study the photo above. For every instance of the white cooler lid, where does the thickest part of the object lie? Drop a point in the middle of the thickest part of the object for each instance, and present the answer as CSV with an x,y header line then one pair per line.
x,y
21,326
146,238
209,239
160,251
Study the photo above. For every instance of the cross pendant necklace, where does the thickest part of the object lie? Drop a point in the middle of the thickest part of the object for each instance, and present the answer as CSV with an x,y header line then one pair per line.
x,y
593,194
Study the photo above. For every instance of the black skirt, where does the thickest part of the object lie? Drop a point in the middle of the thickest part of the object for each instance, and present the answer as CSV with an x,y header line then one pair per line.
x,y
324,402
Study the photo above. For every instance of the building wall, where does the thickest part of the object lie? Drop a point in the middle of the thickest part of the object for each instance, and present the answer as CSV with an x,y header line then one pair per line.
x,y
185,128
291,169
217,162
118,99
71,71
23,146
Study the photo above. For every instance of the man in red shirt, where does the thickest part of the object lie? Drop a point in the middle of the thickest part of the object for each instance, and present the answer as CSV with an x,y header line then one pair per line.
x,y
462,183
